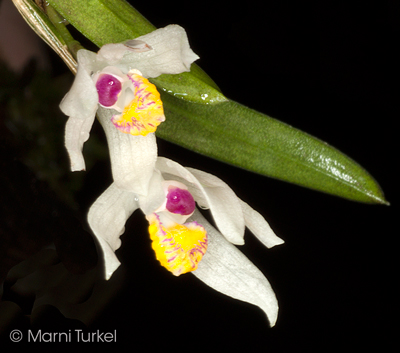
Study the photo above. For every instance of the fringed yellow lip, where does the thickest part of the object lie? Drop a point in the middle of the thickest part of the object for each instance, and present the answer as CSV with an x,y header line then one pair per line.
x,y
179,248
145,112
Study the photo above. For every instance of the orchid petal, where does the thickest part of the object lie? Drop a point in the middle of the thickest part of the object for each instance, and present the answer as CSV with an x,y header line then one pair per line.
x,y
155,196
211,192
259,226
107,218
80,104
76,134
227,270
132,157
75,103
170,53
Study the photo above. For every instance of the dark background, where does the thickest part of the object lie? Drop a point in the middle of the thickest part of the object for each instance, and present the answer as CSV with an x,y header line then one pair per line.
x,y
331,71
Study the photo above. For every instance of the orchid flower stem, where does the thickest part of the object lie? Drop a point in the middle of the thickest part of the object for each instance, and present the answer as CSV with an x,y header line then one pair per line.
x,y
59,22
34,14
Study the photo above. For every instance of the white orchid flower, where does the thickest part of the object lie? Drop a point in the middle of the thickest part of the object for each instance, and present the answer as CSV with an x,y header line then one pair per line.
x,y
183,239
114,83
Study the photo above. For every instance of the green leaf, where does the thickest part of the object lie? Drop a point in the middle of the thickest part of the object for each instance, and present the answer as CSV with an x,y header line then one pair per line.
x,y
103,21
113,21
237,135
224,129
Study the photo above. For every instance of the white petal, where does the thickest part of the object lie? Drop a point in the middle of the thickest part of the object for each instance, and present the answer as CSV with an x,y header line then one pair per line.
x,y
210,191
156,195
132,157
76,134
80,104
228,271
79,101
259,226
111,54
107,218
170,53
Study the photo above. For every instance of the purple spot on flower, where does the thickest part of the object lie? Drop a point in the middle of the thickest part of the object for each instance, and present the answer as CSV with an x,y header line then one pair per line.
x,y
180,201
108,88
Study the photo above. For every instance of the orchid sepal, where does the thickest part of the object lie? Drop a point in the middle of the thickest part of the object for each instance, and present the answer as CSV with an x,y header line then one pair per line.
x,y
225,269
107,217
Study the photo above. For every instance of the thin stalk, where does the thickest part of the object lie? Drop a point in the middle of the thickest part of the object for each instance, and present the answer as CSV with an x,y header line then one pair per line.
x,y
60,24
45,29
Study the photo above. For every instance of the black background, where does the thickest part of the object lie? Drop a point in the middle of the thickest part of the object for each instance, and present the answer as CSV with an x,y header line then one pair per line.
x,y
331,71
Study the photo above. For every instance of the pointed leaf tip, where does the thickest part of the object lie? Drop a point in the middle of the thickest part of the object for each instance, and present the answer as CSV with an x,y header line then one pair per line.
x,y
238,135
